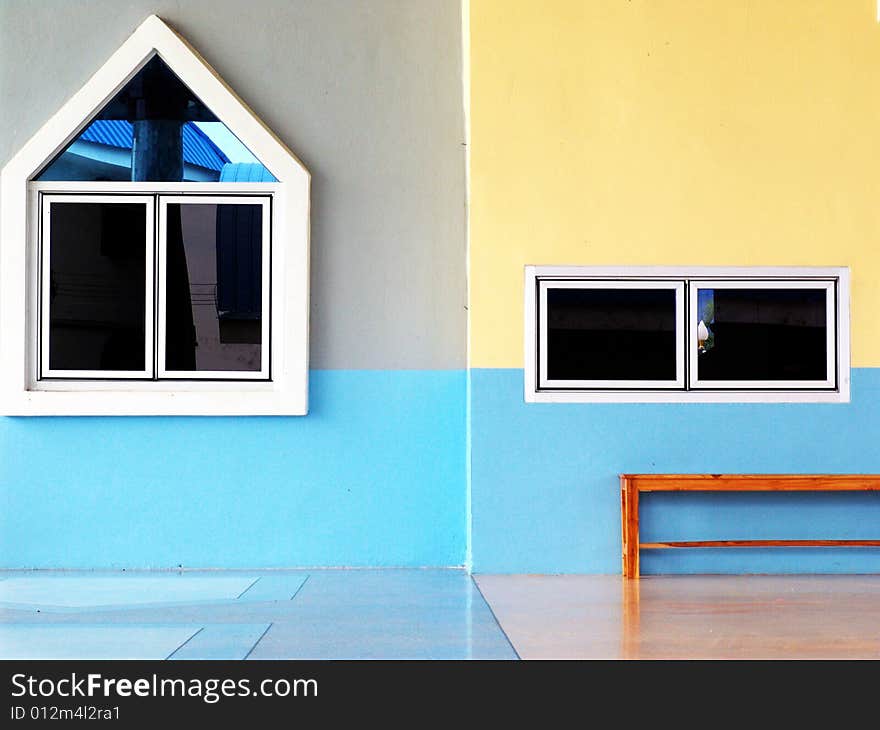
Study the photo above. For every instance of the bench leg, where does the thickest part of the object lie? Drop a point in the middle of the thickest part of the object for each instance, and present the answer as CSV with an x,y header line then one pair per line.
x,y
630,527
624,561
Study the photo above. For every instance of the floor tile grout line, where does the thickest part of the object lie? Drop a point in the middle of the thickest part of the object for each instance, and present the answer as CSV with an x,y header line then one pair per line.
x,y
259,577
296,592
185,643
492,611
258,641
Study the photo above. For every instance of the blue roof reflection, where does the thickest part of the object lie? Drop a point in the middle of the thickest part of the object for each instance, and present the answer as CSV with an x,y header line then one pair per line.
x,y
198,149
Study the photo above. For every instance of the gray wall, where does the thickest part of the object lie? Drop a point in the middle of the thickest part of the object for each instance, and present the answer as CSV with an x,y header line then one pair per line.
x,y
366,92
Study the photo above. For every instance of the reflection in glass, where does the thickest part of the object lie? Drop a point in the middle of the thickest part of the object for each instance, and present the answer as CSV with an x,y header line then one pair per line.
x,y
155,129
97,270
763,334
214,287
705,319
611,334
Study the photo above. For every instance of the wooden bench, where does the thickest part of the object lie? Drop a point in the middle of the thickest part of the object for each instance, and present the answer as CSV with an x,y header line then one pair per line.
x,y
631,485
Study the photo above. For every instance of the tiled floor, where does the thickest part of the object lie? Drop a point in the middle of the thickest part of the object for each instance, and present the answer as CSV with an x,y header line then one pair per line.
x,y
92,641
324,614
53,591
434,614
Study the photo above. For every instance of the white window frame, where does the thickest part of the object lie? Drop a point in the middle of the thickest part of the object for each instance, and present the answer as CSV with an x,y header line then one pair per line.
x,y
632,284
162,300
22,392
45,252
827,285
837,277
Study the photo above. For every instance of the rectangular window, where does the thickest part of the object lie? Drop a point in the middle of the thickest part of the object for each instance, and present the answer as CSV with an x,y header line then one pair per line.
x,y
763,334
97,287
213,288
124,298
611,334
672,334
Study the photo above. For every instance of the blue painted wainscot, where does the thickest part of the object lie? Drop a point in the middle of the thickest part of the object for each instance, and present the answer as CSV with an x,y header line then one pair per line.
x,y
545,493
373,476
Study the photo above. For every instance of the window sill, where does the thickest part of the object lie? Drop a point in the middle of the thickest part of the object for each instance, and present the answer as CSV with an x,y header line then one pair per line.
x,y
691,396
208,399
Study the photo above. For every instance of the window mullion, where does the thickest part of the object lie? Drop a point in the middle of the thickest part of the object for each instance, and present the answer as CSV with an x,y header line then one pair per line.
x,y
156,290
687,333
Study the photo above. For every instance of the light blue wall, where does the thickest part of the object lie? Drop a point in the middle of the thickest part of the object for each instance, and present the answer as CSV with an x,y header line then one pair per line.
x,y
545,493
373,476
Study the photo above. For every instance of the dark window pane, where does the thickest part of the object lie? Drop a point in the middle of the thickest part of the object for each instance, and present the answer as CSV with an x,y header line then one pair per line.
x,y
214,287
97,286
156,129
762,334
611,334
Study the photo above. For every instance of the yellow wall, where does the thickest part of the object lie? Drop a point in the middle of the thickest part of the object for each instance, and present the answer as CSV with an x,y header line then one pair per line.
x,y
671,132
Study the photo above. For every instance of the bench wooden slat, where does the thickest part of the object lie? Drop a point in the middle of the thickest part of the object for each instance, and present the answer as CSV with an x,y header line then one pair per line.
x,y
754,482
757,543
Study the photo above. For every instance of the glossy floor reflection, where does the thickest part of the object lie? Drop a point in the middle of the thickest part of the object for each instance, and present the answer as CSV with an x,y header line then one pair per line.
x,y
323,614
689,616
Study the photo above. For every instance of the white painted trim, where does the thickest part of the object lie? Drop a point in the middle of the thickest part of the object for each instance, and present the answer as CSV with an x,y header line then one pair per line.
x,y
685,396
290,254
530,338
161,386
266,288
179,188
677,286
844,335
533,274
45,248
688,272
